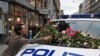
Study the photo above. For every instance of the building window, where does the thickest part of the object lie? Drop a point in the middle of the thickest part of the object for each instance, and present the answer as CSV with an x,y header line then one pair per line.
x,y
16,13
0,13
45,4
32,2
96,0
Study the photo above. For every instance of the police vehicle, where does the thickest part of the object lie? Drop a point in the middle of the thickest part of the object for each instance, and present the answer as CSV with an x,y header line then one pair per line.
x,y
76,24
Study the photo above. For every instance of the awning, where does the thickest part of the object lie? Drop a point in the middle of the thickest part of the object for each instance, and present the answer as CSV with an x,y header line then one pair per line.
x,y
26,4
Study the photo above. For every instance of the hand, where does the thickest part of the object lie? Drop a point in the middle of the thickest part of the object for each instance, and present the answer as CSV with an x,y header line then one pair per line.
x,y
47,38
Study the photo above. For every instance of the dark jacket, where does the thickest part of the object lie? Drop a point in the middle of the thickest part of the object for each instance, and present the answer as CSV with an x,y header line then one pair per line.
x,y
62,26
33,29
16,42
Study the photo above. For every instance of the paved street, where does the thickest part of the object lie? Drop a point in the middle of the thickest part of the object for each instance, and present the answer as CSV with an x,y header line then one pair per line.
x,y
2,47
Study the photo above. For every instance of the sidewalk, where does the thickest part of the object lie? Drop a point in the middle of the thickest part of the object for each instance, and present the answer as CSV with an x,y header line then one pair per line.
x,y
2,47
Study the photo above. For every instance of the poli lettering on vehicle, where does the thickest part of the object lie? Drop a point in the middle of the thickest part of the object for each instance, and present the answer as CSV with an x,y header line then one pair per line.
x,y
46,50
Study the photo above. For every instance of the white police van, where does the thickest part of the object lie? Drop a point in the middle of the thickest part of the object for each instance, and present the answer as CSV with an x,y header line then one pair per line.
x,y
48,50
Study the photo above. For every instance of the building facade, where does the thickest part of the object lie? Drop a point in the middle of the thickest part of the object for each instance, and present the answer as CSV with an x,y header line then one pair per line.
x,y
95,6
90,7
57,5
80,8
61,12
14,10
84,7
35,11
54,9
3,20
48,8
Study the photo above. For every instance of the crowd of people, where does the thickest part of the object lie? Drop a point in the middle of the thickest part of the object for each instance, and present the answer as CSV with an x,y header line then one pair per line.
x,y
23,36
20,37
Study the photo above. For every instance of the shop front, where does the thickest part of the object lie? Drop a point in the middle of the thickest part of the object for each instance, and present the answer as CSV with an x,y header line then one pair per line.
x,y
34,18
3,20
24,15
19,10
17,14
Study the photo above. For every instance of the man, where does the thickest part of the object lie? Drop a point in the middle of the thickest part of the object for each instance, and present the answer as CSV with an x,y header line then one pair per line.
x,y
33,29
19,39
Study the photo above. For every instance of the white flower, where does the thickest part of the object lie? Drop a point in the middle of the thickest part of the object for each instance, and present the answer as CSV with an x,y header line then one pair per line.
x,y
78,42
85,43
63,32
98,47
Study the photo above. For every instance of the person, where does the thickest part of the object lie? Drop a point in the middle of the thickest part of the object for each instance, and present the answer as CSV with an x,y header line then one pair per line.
x,y
34,29
17,40
19,21
62,26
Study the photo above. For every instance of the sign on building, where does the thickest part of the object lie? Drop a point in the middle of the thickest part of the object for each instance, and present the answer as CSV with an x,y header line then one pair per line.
x,y
44,11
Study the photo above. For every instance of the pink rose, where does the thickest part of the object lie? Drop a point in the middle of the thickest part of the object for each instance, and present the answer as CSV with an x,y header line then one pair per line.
x,y
70,32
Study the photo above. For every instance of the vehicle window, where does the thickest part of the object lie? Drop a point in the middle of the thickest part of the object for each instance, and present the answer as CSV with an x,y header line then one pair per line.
x,y
0,12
